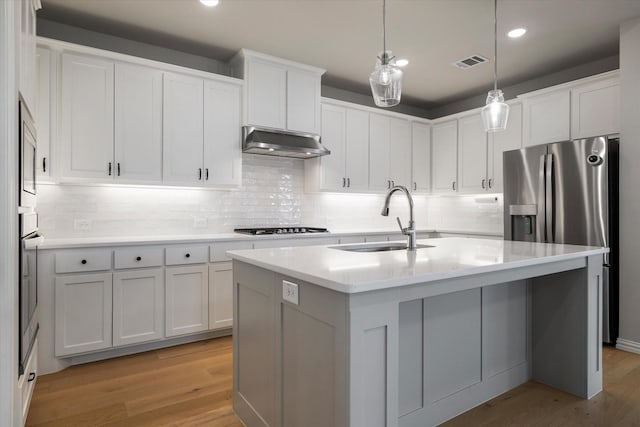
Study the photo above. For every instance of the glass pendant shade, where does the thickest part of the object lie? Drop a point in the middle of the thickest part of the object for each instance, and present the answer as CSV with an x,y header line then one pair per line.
x,y
496,113
386,84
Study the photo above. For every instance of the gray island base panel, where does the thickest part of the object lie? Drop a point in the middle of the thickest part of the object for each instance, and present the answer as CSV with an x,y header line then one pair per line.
x,y
414,355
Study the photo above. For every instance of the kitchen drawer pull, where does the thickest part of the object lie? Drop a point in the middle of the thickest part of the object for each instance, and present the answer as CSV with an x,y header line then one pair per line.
x,y
44,164
138,258
118,168
84,261
32,376
188,255
200,174
483,181
109,168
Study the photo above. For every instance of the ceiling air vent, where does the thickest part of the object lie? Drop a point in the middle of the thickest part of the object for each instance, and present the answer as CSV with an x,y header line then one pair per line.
x,y
469,62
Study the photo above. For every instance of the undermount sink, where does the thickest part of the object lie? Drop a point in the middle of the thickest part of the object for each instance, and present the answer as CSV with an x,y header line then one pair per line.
x,y
377,247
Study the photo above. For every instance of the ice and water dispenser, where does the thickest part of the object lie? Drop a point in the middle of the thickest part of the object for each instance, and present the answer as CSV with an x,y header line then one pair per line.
x,y
523,222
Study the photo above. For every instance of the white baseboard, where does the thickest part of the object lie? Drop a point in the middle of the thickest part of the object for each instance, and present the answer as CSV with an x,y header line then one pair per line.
x,y
627,345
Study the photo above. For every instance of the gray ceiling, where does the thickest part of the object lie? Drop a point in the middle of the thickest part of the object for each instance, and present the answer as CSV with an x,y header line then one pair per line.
x,y
344,36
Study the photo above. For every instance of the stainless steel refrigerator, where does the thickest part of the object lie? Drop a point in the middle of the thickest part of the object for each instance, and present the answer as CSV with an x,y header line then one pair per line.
x,y
567,192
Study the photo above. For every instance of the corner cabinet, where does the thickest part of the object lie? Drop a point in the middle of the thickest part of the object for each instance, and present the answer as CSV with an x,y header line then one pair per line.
x,y
595,108
279,94
444,161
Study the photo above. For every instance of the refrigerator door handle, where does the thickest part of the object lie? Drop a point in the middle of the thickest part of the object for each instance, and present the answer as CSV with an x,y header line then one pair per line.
x,y
540,214
549,208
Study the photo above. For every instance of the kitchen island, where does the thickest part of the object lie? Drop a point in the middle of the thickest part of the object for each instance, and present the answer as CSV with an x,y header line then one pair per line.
x,y
325,336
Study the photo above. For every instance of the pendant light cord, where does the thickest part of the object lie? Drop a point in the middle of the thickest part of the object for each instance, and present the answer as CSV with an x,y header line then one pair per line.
x,y
495,45
384,33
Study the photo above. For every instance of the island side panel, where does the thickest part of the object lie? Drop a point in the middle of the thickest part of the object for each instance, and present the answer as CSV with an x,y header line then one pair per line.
x,y
567,333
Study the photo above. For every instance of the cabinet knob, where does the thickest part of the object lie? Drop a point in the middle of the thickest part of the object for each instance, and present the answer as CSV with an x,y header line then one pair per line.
x,y
187,255
84,261
138,258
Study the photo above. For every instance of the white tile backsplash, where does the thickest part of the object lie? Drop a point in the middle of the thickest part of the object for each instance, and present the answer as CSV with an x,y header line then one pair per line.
x,y
272,194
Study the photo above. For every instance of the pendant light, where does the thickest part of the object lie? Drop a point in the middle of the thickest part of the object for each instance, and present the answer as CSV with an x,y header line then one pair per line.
x,y
496,113
386,78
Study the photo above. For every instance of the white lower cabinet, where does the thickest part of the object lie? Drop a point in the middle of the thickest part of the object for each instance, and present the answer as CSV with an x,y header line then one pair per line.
x,y
83,313
138,306
186,299
220,295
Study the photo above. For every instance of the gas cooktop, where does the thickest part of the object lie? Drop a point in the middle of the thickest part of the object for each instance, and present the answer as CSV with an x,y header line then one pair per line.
x,y
280,230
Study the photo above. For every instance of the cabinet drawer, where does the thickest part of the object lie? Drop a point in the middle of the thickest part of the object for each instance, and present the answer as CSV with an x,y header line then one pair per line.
x,y
187,255
219,250
80,260
137,257
27,381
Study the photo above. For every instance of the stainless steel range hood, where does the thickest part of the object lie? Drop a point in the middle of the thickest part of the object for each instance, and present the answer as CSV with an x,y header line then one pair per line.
x,y
280,143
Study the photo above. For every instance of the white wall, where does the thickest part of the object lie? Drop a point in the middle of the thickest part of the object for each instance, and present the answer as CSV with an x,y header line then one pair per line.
x,y
9,406
629,179
272,194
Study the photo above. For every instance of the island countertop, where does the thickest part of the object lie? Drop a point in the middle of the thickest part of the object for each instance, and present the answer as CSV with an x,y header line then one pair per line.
x,y
354,272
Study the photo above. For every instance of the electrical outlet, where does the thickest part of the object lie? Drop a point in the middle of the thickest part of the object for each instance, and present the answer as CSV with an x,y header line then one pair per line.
x,y
290,292
82,224
200,222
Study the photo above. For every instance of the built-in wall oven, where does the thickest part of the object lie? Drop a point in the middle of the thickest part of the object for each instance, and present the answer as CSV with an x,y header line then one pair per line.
x,y
29,239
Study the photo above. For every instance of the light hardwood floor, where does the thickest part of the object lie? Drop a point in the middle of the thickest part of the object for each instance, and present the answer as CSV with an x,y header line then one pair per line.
x,y
190,385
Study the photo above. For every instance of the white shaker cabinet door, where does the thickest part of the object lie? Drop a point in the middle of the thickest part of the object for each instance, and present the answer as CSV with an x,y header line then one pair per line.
x,y
546,118
421,157
445,154
82,313
138,306
400,152
222,140
472,155
379,172
186,300
595,109
332,172
499,142
357,150
220,295
138,123
86,143
43,110
183,130
303,101
266,94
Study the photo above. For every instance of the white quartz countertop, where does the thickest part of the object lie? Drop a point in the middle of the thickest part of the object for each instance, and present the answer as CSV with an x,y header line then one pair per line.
x,y
84,242
353,272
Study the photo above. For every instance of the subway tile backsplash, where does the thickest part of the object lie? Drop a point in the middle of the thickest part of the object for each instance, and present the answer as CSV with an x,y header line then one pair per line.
x,y
272,194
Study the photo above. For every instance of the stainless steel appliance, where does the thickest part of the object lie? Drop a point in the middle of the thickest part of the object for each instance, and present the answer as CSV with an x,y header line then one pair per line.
x,y
27,150
567,192
280,230
279,143
28,286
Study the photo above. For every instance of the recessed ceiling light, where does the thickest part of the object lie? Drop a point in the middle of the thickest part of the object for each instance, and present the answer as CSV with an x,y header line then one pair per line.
x,y
402,62
210,3
517,32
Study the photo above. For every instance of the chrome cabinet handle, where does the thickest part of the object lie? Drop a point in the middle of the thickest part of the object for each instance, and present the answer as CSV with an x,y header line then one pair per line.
x,y
118,168
453,185
199,174
348,182
490,182
44,164
206,172
483,187
109,168
344,182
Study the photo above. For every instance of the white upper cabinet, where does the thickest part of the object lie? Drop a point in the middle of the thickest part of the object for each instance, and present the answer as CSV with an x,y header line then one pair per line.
x,y
421,157
379,171
222,140
499,142
280,94
332,172
183,129
444,158
266,94
595,108
472,155
400,152
42,111
138,123
87,117
357,150
28,71
546,117
303,106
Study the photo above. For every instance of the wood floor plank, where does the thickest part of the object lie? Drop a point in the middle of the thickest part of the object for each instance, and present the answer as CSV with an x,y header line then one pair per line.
x,y
191,386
